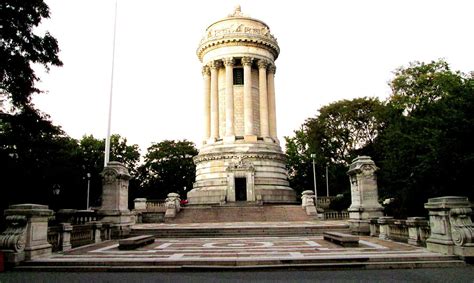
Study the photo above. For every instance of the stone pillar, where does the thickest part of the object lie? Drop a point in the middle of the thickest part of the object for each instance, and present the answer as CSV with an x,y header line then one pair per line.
x,y
114,209
384,224
451,226
307,202
229,99
26,236
172,205
272,101
214,66
415,231
207,102
364,194
263,98
96,227
374,227
248,101
139,204
66,230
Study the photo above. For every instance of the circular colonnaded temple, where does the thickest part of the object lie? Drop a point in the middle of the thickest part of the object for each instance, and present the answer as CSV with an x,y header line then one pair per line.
x,y
241,158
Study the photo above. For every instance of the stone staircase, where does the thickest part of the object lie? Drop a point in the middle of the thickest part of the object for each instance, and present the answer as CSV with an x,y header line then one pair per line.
x,y
240,220
241,213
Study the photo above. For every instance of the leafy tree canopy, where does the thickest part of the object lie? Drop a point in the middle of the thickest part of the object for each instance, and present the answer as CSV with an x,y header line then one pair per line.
x,y
168,167
21,48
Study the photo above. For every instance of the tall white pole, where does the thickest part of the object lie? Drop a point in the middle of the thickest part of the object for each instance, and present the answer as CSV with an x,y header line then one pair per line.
x,y
313,156
327,181
107,139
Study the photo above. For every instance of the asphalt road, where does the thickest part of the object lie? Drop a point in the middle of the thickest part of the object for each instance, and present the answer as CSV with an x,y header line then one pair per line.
x,y
464,274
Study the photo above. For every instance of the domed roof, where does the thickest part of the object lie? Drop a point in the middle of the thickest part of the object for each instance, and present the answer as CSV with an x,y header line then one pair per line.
x,y
236,28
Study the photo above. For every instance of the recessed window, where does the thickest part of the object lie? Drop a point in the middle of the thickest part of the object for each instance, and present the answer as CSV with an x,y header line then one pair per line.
x,y
238,76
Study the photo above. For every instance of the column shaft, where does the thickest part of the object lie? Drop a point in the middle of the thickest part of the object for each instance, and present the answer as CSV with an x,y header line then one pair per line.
x,y
229,97
248,103
271,101
214,65
262,85
207,102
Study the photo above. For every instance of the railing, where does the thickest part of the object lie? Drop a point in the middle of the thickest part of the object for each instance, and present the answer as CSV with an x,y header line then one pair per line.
x,y
156,205
82,235
67,236
414,230
399,231
75,216
54,238
336,215
84,216
324,202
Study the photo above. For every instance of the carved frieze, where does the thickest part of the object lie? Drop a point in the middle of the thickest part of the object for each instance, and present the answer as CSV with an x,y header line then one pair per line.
x,y
262,156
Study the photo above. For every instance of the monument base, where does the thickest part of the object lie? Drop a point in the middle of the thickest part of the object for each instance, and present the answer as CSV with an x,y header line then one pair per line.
x,y
359,227
120,222
241,171
440,247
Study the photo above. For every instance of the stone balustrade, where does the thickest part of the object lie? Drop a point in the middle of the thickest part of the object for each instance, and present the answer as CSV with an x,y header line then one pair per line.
x,y
414,230
336,215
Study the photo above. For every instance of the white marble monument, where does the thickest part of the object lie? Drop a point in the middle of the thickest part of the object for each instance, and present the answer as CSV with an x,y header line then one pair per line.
x,y
364,194
241,158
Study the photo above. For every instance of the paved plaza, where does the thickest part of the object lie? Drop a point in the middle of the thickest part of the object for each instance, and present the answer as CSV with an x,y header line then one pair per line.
x,y
244,252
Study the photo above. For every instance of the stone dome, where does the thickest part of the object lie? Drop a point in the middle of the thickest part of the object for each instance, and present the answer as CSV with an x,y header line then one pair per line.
x,y
238,29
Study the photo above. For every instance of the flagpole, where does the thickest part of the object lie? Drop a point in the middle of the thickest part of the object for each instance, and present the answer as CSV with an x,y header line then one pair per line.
x,y
107,139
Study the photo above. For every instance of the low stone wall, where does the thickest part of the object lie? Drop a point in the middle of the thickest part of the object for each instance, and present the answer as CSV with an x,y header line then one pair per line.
x,y
336,215
414,230
65,236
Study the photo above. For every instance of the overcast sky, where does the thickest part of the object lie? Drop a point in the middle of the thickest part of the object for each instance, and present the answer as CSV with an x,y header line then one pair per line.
x,y
330,50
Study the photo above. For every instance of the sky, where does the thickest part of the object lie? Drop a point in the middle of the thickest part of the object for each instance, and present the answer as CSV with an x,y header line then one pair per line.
x,y
330,50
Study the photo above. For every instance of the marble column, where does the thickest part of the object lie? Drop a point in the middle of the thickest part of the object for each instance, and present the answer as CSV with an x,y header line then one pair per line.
x,y
214,66
248,103
229,98
271,101
263,96
207,102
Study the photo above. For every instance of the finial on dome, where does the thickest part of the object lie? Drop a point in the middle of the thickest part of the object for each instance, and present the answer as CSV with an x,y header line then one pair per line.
x,y
237,12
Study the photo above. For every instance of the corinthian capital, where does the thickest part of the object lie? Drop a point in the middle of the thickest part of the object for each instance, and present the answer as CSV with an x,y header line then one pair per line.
x,y
262,64
215,64
229,61
205,71
272,68
247,61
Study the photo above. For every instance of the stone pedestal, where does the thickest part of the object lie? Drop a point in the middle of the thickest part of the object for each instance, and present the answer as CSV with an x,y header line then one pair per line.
x,y
415,230
451,226
173,205
114,209
307,202
66,230
364,194
26,236
140,204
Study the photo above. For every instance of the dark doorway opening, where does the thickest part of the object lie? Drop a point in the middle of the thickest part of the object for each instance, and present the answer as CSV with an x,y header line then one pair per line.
x,y
240,189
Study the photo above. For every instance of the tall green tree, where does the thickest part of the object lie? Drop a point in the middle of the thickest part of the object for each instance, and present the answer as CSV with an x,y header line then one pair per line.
x,y
341,131
31,147
425,149
168,168
92,153
21,49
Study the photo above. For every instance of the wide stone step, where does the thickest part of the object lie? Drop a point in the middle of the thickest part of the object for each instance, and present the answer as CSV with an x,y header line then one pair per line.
x,y
240,213
345,262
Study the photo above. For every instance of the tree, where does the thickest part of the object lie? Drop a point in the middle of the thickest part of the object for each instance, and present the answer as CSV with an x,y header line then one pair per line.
x,y
168,167
340,132
28,140
21,49
425,149
92,151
